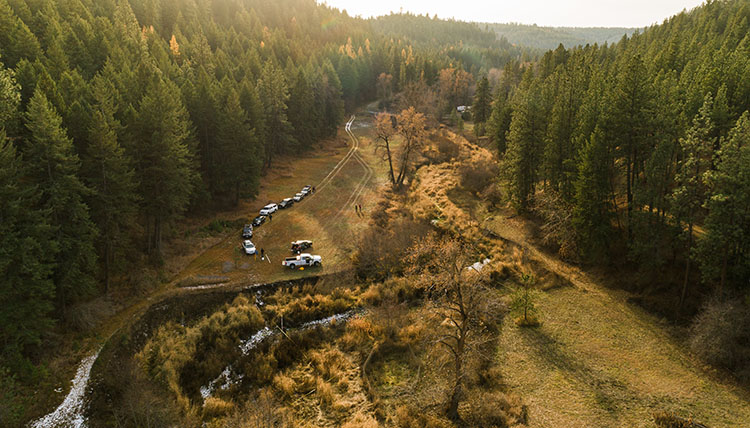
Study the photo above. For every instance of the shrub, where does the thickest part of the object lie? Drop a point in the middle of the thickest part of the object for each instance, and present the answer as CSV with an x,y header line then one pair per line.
x,y
325,392
329,362
669,420
215,407
478,175
285,384
380,252
720,334
360,420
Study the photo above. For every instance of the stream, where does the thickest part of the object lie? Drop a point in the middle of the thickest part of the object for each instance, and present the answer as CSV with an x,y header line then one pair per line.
x,y
228,377
71,412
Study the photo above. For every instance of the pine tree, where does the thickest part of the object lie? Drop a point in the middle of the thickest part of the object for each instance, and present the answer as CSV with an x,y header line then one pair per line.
x,y
10,97
481,109
26,259
724,252
108,172
591,213
160,144
272,88
238,145
525,137
54,167
629,124
690,190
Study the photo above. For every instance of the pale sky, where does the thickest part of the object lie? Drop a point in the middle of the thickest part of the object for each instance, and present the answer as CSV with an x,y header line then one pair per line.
x,y
557,13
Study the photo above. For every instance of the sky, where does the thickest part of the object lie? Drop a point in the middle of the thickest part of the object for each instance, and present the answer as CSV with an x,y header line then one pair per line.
x,y
556,13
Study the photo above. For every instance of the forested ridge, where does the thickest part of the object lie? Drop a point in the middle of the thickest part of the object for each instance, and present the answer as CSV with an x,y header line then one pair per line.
x,y
547,38
117,118
636,155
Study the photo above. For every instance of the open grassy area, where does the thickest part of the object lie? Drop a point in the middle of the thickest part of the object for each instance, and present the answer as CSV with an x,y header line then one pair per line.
x,y
599,361
327,218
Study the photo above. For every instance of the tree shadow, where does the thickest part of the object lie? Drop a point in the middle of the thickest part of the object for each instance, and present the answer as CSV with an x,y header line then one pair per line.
x,y
610,394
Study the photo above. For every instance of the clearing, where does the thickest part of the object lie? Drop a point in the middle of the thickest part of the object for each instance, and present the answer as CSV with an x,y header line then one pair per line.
x,y
599,361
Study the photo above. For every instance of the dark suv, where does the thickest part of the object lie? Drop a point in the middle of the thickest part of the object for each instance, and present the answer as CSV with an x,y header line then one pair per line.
x,y
257,221
247,231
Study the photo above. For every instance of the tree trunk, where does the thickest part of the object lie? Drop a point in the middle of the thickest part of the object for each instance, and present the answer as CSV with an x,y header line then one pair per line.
x,y
687,268
390,162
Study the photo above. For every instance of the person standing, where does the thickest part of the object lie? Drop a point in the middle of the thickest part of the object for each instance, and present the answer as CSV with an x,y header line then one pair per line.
x,y
262,254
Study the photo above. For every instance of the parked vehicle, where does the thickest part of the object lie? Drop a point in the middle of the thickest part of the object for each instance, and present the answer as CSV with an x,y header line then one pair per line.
x,y
304,259
248,247
286,203
257,221
306,190
301,245
247,231
298,197
269,209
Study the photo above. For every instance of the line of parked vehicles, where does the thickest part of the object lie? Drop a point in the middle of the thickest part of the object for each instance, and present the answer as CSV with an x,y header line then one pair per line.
x,y
301,259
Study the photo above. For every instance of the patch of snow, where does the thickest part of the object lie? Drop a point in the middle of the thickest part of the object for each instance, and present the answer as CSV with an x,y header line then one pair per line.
x,y
70,412
247,345
325,321
478,266
228,378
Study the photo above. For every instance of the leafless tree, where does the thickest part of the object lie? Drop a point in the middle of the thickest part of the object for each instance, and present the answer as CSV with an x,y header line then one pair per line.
x,y
411,126
467,314
384,132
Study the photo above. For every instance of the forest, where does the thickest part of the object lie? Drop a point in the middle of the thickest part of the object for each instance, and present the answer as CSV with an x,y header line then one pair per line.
x,y
616,154
548,38
120,117
635,155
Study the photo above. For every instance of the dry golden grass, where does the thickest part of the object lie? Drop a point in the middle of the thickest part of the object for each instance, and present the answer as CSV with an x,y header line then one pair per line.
x,y
215,407
285,384
324,391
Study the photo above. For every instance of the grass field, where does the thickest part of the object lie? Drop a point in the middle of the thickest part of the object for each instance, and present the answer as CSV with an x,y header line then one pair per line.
x,y
599,361
327,218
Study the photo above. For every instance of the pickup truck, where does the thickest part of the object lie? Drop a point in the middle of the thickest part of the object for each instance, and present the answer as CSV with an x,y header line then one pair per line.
x,y
301,245
304,259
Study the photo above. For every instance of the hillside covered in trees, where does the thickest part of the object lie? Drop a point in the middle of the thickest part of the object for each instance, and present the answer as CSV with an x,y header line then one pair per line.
x,y
119,117
547,38
635,155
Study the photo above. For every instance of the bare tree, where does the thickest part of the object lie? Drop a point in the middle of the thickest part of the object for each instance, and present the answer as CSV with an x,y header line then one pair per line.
x,y
384,132
411,126
467,314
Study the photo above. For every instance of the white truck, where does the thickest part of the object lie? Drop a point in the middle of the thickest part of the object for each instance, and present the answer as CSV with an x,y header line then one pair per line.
x,y
304,259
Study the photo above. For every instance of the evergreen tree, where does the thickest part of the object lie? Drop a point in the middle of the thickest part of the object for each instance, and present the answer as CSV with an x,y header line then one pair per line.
x,y
26,259
53,167
724,252
237,141
481,109
629,124
525,138
160,144
690,190
108,172
274,94
591,213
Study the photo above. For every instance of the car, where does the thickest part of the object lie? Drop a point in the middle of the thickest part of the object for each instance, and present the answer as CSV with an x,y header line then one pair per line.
x,y
301,245
304,259
286,203
269,209
298,197
306,190
248,247
247,231
257,221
